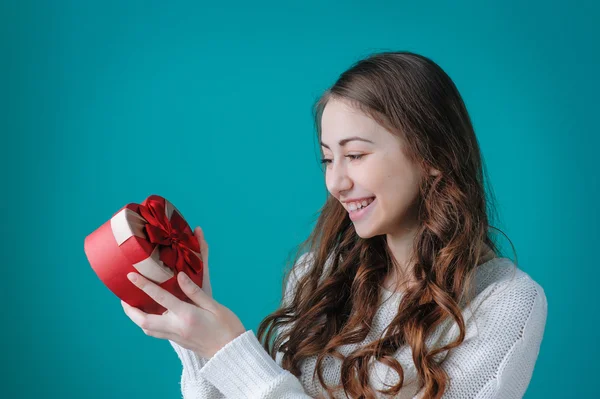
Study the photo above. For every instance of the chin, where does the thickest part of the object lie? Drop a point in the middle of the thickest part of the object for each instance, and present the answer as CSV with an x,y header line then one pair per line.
x,y
366,233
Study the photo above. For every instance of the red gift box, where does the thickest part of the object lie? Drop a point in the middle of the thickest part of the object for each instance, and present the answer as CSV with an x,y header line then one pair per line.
x,y
152,239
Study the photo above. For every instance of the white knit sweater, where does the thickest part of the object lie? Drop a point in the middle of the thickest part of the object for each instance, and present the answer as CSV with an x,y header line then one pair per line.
x,y
504,328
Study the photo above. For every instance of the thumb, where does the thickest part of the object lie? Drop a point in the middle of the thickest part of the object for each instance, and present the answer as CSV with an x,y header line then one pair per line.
x,y
199,233
193,291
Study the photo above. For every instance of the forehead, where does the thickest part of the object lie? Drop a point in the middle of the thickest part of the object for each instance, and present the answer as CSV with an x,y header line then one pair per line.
x,y
341,120
340,116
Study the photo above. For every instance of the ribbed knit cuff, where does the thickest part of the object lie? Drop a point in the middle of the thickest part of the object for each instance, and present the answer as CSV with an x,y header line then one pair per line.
x,y
242,368
192,363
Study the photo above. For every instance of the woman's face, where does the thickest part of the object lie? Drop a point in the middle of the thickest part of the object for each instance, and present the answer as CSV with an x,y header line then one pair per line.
x,y
372,165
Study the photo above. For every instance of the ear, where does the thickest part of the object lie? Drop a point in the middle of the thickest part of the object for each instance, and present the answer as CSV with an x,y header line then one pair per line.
x,y
434,172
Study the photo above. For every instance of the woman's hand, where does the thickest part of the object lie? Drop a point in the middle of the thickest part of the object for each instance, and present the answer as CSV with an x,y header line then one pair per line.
x,y
203,327
204,253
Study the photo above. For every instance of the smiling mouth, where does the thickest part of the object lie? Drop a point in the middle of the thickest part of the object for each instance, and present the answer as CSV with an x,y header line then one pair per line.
x,y
369,202
358,214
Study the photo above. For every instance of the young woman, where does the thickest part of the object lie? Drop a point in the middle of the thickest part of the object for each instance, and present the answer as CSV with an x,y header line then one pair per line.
x,y
400,290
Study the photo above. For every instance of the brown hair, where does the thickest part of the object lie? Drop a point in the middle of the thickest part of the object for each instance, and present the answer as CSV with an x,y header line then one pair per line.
x,y
413,98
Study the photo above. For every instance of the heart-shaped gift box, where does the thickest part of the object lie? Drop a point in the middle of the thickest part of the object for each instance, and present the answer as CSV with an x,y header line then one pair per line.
x,y
152,239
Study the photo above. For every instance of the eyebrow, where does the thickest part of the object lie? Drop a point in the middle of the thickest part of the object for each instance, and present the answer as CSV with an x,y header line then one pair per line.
x,y
344,141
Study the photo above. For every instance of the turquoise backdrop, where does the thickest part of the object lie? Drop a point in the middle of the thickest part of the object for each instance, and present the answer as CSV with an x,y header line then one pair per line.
x,y
106,102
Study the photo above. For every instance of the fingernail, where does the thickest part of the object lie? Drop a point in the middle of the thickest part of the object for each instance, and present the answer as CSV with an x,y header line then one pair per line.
x,y
132,277
185,278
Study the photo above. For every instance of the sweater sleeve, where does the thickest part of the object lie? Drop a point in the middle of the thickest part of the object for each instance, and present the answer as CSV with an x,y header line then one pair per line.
x,y
193,386
220,376
244,369
501,346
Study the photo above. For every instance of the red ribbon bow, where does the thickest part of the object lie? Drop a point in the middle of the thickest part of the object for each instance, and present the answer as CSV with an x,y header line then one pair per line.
x,y
174,237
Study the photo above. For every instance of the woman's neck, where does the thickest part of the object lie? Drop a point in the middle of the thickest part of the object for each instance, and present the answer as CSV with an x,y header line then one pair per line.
x,y
402,278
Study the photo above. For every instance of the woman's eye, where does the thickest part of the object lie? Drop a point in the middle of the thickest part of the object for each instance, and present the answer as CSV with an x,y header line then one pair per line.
x,y
351,156
356,156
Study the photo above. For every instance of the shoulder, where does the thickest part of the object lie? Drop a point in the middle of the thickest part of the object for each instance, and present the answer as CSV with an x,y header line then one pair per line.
x,y
299,269
305,264
502,280
505,324
302,266
508,298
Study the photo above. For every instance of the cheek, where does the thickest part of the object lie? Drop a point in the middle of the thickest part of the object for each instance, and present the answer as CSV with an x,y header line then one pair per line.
x,y
399,189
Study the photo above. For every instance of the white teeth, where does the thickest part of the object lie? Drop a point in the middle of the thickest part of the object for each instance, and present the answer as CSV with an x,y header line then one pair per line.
x,y
359,205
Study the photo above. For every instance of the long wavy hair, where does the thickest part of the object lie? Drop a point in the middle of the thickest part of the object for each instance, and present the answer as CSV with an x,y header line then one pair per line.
x,y
414,99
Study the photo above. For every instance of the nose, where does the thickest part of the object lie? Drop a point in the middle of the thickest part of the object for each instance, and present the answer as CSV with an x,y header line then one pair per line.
x,y
338,180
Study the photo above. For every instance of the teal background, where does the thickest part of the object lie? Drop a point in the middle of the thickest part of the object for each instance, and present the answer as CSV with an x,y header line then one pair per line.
x,y
104,103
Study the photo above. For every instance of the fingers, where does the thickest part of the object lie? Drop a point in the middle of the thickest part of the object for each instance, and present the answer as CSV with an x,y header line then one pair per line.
x,y
160,335
153,325
160,295
199,233
195,293
206,286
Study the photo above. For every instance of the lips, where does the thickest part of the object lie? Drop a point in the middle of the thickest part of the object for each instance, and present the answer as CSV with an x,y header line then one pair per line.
x,y
361,213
